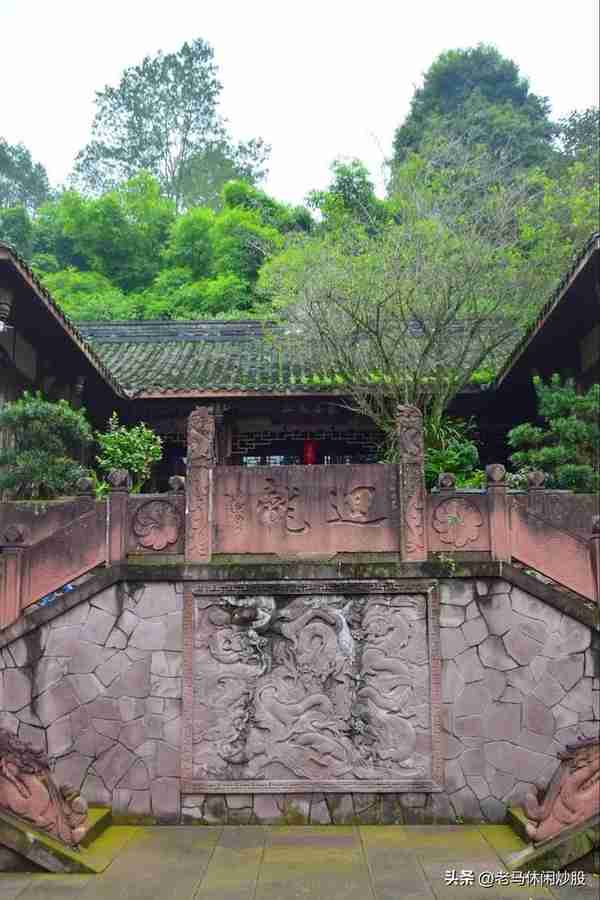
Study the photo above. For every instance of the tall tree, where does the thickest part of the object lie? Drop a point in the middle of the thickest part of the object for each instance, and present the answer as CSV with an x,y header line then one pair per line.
x,y
481,96
162,118
23,182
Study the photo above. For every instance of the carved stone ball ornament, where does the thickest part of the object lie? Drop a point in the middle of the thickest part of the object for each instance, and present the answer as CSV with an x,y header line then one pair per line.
x,y
177,483
573,795
535,479
119,480
14,534
596,525
496,473
446,481
84,486
29,792
156,524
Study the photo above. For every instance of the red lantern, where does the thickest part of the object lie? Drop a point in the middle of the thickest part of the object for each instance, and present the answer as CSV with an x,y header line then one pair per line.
x,y
309,453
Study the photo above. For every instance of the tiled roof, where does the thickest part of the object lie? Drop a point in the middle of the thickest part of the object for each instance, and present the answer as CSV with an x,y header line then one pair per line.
x,y
200,357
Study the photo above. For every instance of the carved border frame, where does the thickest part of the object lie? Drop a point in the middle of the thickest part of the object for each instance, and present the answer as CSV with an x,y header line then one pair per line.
x,y
190,785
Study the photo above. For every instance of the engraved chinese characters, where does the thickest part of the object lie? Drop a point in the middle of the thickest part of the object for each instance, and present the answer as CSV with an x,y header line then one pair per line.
x,y
292,694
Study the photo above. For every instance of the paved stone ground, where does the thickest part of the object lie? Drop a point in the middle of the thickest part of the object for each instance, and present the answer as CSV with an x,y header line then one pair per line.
x,y
301,863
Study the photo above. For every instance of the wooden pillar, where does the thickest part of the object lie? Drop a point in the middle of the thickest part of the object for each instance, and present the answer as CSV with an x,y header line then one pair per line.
x,y
116,537
411,484
498,510
199,486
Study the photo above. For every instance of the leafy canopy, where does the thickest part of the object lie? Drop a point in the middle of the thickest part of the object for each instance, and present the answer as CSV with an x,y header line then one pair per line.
x,y
47,438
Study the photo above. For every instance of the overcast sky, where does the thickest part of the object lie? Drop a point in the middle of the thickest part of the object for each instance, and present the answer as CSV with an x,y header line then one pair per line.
x,y
317,79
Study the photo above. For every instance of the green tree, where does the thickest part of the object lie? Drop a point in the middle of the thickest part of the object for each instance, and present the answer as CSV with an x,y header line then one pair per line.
x,y
16,229
480,96
47,438
88,296
567,444
136,449
350,198
410,313
579,135
208,171
22,181
163,118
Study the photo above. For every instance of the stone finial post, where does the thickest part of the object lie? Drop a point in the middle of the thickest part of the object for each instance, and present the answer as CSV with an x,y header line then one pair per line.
x,y
595,556
199,485
12,577
6,302
120,485
498,509
411,484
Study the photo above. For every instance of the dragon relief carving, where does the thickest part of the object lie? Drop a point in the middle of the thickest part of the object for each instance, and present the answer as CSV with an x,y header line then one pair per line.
x,y
318,689
573,795
28,791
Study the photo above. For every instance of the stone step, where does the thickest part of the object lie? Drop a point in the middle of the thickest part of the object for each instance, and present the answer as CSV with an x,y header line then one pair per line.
x,y
99,819
105,843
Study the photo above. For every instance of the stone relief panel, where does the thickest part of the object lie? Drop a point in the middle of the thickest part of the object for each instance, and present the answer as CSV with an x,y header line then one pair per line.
x,y
311,693
307,509
458,522
156,525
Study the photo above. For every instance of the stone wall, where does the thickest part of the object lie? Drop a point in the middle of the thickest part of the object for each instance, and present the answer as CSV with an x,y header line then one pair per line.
x,y
99,687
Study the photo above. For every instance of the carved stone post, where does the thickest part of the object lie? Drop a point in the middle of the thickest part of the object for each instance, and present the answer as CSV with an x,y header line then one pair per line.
x,y
120,483
199,486
12,583
411,484
595,556
498,507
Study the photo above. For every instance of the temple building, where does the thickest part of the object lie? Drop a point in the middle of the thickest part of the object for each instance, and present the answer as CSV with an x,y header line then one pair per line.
x,y
269,408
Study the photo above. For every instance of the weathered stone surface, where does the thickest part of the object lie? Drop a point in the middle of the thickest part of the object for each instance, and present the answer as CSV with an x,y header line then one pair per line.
x,y
103,708
113,765
134,682
523,679
498,613
474,631
341,808
469,726
472,611
172,732
452,681
542,743
592,662
126,622
64,641
161,686
473,761
572,637
109,601
479,786
503,721
493,654
149,635
91,743
454,776
466,805
46,673
579,698
56,702
17,689
166,663
537,717
498,586
71,769
458,592
511,695
567,671
469,665
34,736
451,616
319,813
137,778
524,641
518,761
494,682
97,626
564,717
117,639
59,736
86,687
166,761
549,691
529,606
266,809
493,810
452,642
174,635
131,708
87,658
109,670
474,700
499,782
133,734
95,791
156,600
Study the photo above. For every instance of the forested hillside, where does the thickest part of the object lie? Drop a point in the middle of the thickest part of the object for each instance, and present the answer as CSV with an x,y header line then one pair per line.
x,y
163,216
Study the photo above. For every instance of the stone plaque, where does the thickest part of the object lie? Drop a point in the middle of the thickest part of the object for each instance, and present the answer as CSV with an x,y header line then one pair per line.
x,y
313,691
